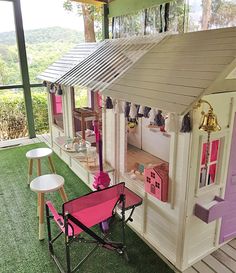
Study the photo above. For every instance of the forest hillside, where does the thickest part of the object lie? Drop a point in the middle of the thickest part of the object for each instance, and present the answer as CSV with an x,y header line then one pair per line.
x,y
43,46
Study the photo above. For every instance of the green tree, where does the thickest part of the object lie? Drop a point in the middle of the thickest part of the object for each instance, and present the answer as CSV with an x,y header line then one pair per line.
x,y
223,13
91,15
3,72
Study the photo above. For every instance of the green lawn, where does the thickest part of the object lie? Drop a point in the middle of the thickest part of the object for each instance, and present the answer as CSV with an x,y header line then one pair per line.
x,y
22,252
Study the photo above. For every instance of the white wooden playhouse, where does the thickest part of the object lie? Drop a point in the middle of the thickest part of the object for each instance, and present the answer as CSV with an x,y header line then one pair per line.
x,y
169,73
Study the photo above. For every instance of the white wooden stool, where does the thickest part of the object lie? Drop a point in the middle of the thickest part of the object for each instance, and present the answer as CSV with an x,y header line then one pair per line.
x,y
38,154
41,185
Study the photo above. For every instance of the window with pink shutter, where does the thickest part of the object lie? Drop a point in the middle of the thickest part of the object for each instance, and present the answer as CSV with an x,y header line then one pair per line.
x,y
208,169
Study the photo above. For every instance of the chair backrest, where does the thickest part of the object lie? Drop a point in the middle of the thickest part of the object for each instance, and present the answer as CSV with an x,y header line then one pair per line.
x,y
102,200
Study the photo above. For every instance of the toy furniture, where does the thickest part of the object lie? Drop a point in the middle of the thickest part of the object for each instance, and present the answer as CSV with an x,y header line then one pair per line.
x,y
38,154
44,184
82,213
84,115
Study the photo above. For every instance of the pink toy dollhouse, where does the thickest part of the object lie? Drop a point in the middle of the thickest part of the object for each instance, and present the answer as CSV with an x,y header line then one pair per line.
x,y
156,181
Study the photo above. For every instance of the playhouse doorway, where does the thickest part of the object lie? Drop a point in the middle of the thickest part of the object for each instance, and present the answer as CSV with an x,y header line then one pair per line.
x,y
228,223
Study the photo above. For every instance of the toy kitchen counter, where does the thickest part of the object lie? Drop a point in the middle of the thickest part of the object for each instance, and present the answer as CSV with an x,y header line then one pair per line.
x,y
83,162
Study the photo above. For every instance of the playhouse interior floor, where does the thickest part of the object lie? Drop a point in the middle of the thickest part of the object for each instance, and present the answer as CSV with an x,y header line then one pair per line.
x,y
135,155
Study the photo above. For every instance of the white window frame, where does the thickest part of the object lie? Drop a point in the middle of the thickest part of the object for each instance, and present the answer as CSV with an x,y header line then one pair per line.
x,y
221,157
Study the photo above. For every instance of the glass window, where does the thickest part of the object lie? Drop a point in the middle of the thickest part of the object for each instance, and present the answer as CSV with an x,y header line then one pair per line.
x,y
9,60
210,14
209,163
50,31
40,109
13,123
81,97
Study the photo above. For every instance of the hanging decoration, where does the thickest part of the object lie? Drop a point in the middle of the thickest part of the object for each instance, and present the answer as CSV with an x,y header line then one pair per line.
x,y
132,124
109,104
186,124
146,111
52,89
127,109
133,111
117,107
45,84
140,111
59,91
152,115
171,123
159,119
208,124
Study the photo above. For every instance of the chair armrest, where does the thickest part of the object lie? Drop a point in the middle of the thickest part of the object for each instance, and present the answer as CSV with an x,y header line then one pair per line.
x,y
58,218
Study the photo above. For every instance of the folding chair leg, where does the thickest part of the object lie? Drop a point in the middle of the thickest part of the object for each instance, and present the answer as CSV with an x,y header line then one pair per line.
x,y
49,231
67,243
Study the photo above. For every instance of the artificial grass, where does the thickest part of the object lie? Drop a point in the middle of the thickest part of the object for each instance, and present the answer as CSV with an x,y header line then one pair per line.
x,y
20,249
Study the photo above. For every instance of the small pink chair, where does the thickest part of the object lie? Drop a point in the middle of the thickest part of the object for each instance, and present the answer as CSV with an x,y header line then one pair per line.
x,y
82,213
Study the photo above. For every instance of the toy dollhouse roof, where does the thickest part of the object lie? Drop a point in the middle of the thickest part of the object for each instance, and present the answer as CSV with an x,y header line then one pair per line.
x,y
56,70
112,58
179,70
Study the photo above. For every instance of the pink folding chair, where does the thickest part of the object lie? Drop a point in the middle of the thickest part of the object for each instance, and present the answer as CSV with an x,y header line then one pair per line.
x,y
82,213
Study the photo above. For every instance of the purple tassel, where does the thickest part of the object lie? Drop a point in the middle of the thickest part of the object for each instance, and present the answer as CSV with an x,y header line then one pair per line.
x,y
186,124
109,104
159,119
59,91
146,111
127,109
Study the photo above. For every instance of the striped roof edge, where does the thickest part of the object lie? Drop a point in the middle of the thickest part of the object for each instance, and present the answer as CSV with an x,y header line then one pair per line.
x,y
109,61
74,56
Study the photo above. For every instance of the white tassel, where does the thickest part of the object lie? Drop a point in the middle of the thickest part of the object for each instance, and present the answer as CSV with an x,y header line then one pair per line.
x,y
152,115
171,123
133,111
117,107
141,110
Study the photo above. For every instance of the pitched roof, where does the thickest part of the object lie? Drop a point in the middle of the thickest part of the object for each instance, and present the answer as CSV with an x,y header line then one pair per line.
x,y
109,61
56,70
175,73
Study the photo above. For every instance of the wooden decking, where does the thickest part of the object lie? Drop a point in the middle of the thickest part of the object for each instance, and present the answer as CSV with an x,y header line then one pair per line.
x,y
222,260
25,141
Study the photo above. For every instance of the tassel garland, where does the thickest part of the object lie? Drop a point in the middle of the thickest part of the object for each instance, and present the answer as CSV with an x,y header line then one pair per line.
x,y
59,91
146,111
109,104
133,111
127,109
159,119
186,124
171,123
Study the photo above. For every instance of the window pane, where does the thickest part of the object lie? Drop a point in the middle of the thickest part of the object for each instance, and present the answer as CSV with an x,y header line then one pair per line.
x,y
212,174
40,109
13,122
210,14
203,174
203,160
50,31
9,60
81,97
214,150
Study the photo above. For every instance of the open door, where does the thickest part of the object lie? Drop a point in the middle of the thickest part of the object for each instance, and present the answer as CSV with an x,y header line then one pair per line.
x,y
228,224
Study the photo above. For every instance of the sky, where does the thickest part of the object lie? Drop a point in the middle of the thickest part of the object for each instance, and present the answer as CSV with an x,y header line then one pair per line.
x,y
39,14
